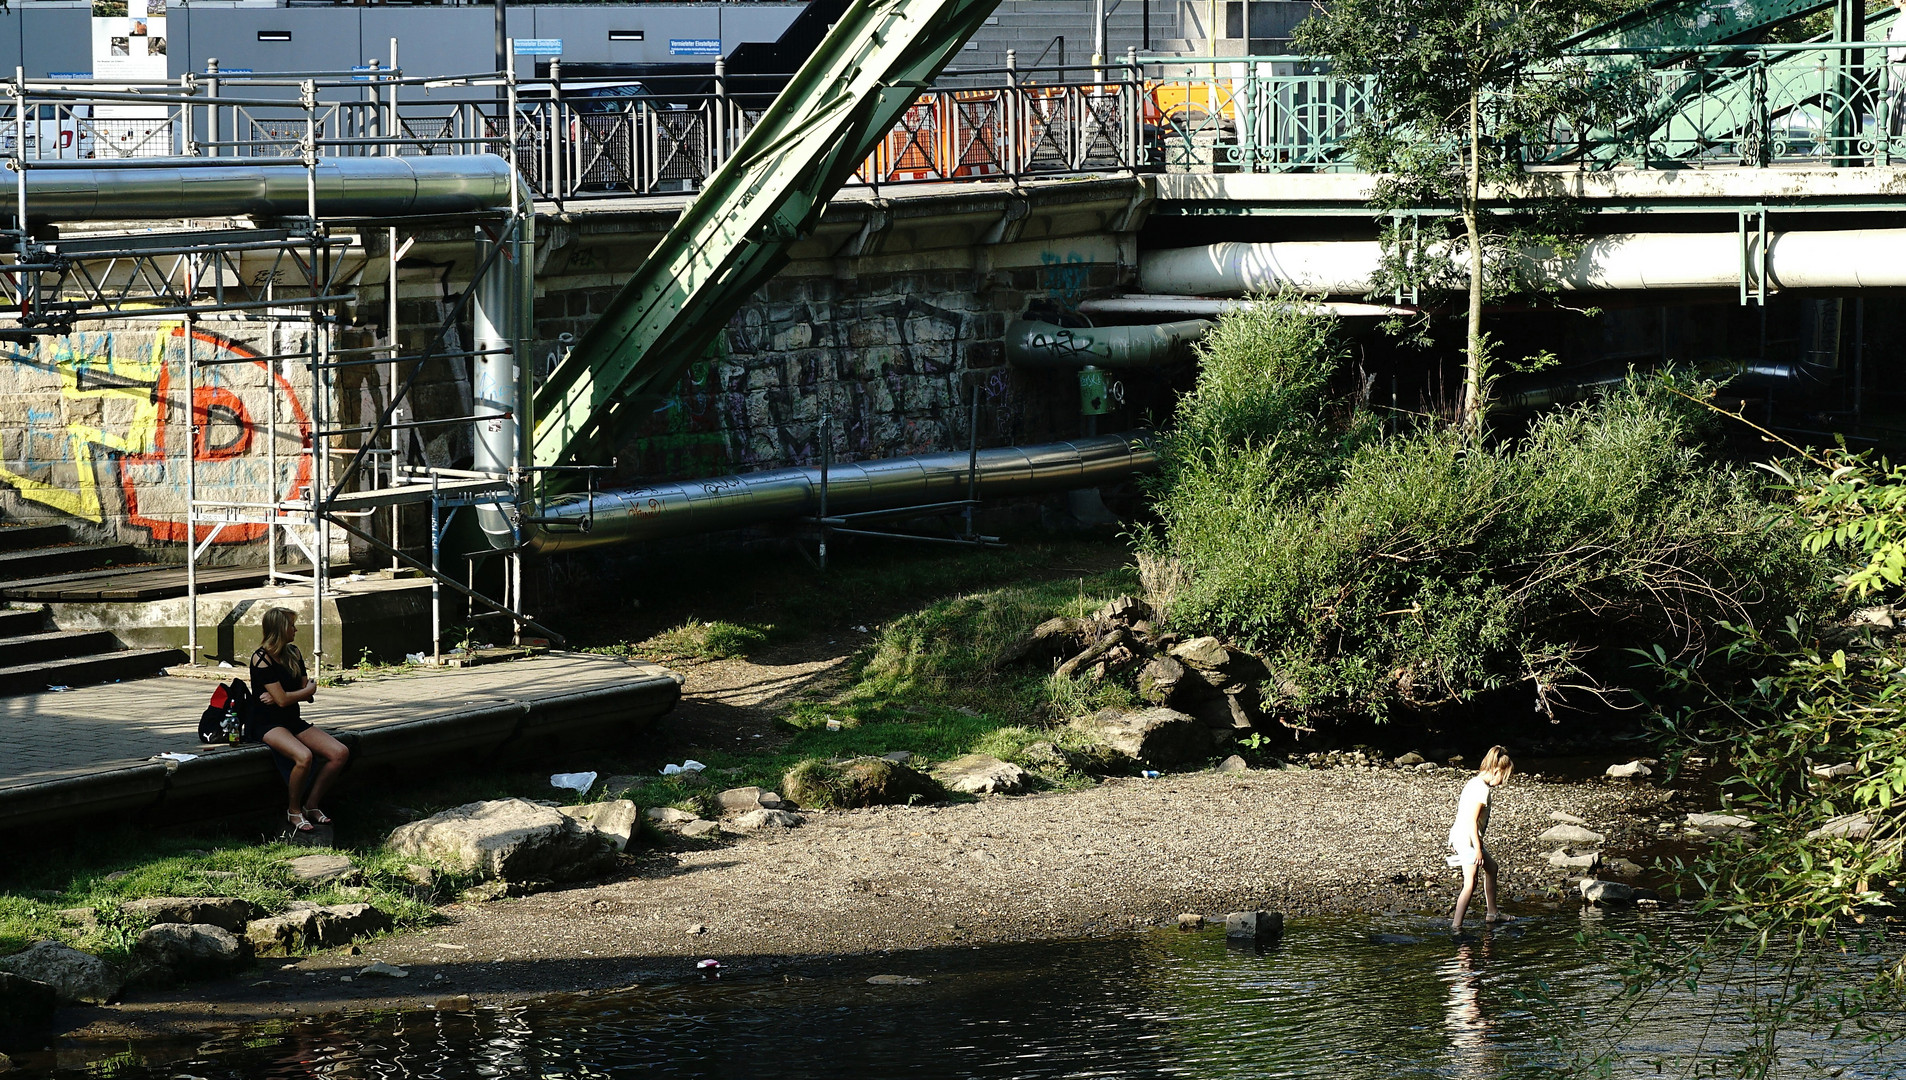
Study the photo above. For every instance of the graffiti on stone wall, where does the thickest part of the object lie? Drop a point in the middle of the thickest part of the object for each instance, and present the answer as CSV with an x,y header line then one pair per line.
x,y
1066,278
95,429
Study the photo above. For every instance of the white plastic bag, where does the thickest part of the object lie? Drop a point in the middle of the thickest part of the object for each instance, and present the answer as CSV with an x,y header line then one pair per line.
x,y
578,782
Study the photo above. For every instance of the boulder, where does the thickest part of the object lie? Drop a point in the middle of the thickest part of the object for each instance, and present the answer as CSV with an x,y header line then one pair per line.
x,y
1565,819
1606,892
614,820
1045,756
741,800
668,815
1410,759
1255,929
862,781
283,935
1124,609
1570,834
73,975
224,912
1203,653
341,924
1844,827
1633,770
1721,826
379,969
1191,920
1156,736
1233,764
1223,714
323,869
169,952
1562,860
1159,679
699,829
898,757
26,1013
1621,867
509,840
981,774
757,820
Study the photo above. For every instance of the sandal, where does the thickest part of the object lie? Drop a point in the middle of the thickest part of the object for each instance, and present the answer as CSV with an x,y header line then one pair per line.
x,y
316,816
299,824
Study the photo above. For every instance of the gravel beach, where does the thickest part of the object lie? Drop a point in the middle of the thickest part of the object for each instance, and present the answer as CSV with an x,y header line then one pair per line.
x,y
1122,854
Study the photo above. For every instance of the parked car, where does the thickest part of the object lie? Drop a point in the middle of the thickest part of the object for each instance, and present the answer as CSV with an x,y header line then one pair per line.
x,y
52,131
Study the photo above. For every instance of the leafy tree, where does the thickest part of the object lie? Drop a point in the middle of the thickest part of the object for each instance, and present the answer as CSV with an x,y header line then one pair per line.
x,y
1458,88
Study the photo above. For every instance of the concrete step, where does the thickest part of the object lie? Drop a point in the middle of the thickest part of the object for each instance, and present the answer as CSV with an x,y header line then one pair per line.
x,y
18,537
22,621
106,667
41,646
71,558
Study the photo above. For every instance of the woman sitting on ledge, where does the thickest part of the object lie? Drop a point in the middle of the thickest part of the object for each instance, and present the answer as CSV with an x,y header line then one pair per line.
x,y
278,684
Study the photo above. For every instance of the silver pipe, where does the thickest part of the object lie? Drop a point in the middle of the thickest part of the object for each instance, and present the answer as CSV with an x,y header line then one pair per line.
x,y
224,187
1038,344
729,502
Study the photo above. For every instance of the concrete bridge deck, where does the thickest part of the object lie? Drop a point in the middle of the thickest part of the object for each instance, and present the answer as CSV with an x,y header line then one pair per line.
x,y
89,751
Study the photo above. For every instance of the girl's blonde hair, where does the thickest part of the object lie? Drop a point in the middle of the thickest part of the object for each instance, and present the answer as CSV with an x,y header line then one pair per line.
x,y
1497,764
279,623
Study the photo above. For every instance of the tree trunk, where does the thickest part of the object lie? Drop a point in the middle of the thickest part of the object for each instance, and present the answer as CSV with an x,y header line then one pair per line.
x,y
1472,411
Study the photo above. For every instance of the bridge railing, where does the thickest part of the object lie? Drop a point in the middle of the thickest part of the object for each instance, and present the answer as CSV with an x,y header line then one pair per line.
x,y
1762,105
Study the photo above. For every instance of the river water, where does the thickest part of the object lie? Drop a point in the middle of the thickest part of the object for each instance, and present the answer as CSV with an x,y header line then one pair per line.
x,y
1382,998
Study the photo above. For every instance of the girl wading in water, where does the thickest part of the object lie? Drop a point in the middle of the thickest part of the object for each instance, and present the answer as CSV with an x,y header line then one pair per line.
x,y
279,684
1466,837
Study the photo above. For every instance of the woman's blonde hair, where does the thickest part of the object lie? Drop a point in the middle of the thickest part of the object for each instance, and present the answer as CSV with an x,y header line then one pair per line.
x,y
279,623
1497,764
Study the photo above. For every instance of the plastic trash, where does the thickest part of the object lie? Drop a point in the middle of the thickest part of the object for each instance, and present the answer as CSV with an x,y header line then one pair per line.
x,y
833,725
413,658
710,969
578,782
226,664
1150,774
691,765
174,756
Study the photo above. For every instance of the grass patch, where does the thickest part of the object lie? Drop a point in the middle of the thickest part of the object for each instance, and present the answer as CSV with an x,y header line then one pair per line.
x,y
697,640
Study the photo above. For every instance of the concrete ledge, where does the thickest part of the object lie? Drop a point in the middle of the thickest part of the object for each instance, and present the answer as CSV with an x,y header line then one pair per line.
x,y
109,790
518,709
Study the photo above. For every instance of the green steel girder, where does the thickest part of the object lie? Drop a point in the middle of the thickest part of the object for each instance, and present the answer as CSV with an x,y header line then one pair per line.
x,y
1730,91
1677,23
736,233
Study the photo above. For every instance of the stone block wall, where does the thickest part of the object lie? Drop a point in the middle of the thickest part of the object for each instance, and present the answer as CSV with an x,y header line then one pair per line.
x,y
95,428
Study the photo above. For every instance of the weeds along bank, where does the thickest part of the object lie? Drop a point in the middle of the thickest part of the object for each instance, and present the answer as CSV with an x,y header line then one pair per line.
x,y
1380,561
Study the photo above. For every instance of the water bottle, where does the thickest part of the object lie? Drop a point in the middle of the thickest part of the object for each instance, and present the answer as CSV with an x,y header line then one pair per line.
x,y
230,725
1150,774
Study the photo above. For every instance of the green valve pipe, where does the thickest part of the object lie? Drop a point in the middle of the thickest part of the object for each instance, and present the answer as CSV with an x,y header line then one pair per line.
x,y
1092,392
1039,344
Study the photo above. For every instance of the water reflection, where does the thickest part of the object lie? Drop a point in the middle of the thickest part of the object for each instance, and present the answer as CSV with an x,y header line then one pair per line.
x,y
1472,1053
1337,1000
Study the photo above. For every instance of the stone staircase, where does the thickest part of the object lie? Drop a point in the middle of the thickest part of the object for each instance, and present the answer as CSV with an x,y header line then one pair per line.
x,y
33,654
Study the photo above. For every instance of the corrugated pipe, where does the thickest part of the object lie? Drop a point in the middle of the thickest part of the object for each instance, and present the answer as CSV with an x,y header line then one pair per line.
x,y
1843,259
156,188
578,522
1040,344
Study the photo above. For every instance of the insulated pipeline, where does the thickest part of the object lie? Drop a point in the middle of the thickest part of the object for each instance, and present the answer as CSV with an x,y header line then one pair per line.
x,y
576,522
163,188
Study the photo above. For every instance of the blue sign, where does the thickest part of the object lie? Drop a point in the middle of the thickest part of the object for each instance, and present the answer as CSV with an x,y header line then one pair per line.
x,y
694,46
539,46
357,69
228,71
69,74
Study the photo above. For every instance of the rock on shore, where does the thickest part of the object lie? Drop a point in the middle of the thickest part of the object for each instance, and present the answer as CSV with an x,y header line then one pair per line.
x,y
510,840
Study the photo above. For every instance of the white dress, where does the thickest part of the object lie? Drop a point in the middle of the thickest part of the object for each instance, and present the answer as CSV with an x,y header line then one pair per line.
x,y
1472,805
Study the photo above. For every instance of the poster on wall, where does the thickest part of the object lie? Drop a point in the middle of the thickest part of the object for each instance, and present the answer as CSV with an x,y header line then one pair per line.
x,y
129,42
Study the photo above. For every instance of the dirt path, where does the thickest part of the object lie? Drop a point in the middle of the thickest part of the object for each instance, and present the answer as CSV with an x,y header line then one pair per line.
x,y
1125,853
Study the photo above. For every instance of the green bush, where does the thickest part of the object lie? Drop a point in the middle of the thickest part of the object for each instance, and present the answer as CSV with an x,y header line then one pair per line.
x,y
697,640
1421,567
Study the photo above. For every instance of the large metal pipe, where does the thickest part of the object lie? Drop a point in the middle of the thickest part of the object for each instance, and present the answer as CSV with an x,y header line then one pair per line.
x,y
1841,259
159,188
577,522
1039,344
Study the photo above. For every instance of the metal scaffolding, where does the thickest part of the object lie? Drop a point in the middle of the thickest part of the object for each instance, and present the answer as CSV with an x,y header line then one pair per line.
x,y
326,479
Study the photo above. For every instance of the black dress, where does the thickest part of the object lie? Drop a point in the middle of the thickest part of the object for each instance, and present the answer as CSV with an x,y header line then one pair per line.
x,y
265,715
